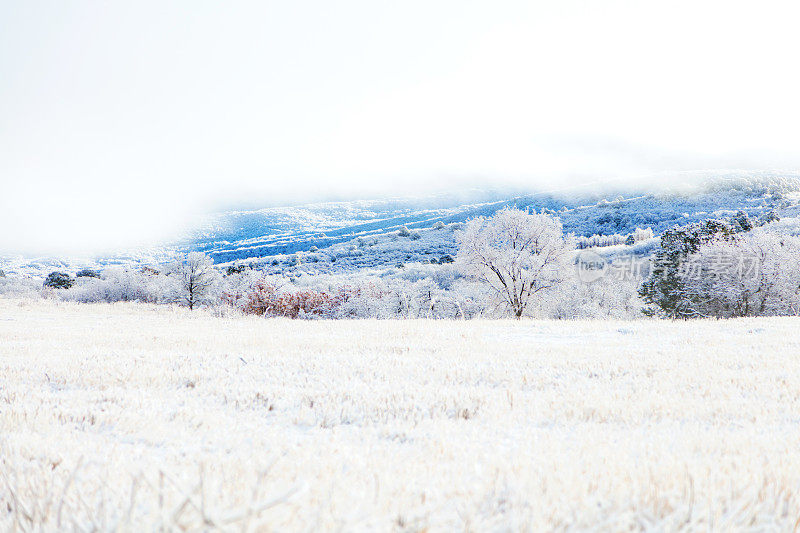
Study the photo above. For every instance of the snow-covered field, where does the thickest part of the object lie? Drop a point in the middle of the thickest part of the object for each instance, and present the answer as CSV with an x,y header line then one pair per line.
x,y
134,417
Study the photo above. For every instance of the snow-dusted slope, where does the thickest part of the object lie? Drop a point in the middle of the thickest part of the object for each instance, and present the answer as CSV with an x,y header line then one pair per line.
x,y
348,235
364,233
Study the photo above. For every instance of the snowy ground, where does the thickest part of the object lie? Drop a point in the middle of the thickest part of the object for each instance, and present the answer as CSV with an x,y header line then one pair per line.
x,y
134,416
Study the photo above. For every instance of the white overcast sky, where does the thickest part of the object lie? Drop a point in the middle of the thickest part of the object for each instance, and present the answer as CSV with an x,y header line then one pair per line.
x,y
119,119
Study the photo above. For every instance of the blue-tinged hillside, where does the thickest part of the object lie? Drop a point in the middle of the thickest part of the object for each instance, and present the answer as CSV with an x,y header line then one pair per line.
x,y
365,233
351,235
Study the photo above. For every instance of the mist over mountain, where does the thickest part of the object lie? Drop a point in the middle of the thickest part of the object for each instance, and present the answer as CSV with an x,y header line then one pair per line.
x,y
348,235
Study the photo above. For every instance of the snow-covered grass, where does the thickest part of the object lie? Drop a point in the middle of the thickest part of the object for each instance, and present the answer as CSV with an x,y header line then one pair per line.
x,y
137,416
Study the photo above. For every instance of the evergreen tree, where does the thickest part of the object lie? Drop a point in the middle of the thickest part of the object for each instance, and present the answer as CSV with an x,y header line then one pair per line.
x,y
664,291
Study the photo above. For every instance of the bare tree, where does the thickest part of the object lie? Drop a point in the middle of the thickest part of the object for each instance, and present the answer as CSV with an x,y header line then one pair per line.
x,y
197,276
516,254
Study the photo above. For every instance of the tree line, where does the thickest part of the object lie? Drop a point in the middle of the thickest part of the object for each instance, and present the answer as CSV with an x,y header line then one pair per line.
x,y
514,264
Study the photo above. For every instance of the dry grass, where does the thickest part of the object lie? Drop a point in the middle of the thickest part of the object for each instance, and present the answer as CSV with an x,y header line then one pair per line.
x,y
134,417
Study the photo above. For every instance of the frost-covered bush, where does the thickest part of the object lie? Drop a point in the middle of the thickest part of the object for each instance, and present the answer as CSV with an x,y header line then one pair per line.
x,y
412,294
88,273
742,222
609,297
276,297
233,290
59,280
768,218
124,285
19,287
404,232
267,299
364,298
438,225
239,268
443,276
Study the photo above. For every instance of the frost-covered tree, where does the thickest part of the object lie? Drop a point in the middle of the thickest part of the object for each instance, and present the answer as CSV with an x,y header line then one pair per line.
x,y
198,277
516,254
753,274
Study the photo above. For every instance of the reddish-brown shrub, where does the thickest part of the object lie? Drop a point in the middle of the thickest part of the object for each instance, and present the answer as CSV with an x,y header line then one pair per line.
x,y
267,299
264,298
